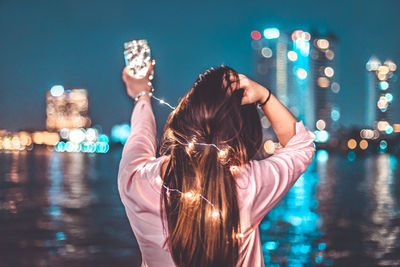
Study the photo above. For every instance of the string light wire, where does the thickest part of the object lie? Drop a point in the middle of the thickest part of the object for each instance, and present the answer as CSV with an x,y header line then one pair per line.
x,y
215,212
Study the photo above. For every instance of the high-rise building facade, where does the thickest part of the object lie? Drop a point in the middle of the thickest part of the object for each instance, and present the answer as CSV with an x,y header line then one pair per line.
x,y
299,68
67,109
379,95
324,81
283,65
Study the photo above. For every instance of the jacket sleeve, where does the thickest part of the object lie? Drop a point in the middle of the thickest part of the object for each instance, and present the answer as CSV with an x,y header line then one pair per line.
x,y
273,177
139,148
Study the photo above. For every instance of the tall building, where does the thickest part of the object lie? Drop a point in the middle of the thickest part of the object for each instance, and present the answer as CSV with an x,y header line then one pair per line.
x,y
379,95
324,82
282,65
67,109
299,68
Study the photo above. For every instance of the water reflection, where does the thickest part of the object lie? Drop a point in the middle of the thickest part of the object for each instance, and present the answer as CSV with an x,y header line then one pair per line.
x,y
63,209
381,228
290,230
341,212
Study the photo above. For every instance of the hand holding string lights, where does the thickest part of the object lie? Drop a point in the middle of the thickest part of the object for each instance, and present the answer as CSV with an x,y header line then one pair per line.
x,y
137,87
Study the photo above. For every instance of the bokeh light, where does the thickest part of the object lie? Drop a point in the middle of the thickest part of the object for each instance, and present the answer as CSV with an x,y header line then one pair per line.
x,y
57,90
255,35
301,73
351,143
363,144
292,55
266,52
271,33
323,43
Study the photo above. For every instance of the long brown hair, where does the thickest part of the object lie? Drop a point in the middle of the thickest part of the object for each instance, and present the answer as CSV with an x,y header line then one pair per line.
x,y
211,112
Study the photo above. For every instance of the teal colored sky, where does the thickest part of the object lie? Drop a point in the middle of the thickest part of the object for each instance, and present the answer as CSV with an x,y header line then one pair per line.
x,y
79,44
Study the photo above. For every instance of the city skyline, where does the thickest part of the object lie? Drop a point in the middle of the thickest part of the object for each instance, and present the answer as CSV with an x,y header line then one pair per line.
x,y
41,47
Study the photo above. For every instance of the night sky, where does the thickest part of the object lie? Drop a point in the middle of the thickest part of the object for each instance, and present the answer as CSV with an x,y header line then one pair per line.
x,y
79,44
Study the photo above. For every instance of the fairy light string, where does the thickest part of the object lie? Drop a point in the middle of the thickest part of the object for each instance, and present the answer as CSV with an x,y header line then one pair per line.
x,y
215,214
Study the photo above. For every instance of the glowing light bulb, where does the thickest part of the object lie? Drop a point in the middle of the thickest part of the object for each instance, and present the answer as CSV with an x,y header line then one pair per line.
x,y
191,145
215,214
234,169
222,153
188,194
159,180
162,101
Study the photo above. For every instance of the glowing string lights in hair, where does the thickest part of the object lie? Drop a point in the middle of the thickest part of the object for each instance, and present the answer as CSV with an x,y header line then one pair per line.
x,y
190,195
221,152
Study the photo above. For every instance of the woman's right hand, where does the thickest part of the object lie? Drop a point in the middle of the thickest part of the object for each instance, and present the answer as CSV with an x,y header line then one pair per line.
x,y
253,91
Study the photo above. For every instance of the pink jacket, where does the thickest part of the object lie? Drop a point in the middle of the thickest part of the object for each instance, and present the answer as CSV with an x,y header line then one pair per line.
x,y
260,186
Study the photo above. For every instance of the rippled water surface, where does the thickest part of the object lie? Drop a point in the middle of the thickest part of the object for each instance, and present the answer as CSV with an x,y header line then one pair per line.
x,y
63,209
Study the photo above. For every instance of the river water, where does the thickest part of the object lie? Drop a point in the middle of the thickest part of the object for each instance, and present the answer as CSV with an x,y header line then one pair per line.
x,y
63,209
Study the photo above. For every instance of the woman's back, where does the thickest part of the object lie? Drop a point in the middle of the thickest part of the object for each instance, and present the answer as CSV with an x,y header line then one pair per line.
x,y
260,185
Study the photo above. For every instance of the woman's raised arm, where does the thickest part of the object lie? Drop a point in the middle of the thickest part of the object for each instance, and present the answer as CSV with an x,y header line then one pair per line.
x,y
282,120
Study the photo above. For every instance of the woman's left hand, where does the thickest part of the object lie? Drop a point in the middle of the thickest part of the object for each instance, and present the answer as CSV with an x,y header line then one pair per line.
x,y
134,85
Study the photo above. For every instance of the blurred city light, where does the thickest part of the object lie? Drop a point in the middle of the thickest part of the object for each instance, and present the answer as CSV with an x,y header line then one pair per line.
x,y
384,85
323,43
299,34
301,40
120,133
69,110
383,144
389,97
391,65
269,147
301,73
77,135
322,155
271,33
363,144
320,125
351,156
373,64
266,52
292,56
369,134
335,87
329,54
321,136
323,82
57,90
351,143
389,130
329,71
335,114
382,125
255,35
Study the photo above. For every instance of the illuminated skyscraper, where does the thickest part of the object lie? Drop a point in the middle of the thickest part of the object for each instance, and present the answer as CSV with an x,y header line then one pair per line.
x,y
325,86
283,65
379,97
272,61
67,109
299,68
300,95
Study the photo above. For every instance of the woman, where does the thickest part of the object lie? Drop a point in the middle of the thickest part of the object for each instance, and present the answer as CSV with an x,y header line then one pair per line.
x,y
201,201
